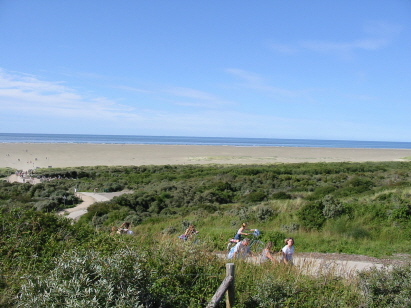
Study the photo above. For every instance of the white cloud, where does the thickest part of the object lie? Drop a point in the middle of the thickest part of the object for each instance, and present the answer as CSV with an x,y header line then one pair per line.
x,y
24,94
376,35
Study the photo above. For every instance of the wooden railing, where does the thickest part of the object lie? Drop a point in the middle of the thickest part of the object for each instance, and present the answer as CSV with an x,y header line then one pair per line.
x,y
227,286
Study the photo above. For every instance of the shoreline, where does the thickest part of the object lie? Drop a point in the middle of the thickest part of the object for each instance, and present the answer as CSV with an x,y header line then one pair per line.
x,y
25,156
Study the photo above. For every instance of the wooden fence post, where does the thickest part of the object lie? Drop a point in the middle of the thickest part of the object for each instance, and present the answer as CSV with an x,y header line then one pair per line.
x,y
230,295
227,286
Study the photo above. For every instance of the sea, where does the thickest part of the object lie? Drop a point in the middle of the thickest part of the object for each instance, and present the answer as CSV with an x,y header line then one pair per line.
x,y
183,140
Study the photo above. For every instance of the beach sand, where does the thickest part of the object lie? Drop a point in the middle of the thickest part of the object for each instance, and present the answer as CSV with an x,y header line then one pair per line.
x,y
25,156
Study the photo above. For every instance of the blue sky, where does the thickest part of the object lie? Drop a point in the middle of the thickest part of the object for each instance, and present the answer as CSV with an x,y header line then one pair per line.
x,y
276,69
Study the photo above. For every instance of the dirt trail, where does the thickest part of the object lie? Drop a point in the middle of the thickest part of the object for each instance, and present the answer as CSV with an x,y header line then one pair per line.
x,y
342,265
88,199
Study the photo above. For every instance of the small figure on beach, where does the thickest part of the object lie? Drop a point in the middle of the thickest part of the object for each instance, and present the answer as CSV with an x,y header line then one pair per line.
x,y
288,251
266,254
241,249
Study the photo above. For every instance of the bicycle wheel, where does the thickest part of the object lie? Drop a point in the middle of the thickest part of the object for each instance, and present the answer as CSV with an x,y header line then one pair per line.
x,y
256,247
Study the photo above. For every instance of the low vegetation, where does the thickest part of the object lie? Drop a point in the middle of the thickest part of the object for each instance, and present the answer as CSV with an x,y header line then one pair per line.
x,y
355,208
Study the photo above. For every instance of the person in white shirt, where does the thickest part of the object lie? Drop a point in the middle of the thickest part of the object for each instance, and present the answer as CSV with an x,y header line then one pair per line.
x,y
288,251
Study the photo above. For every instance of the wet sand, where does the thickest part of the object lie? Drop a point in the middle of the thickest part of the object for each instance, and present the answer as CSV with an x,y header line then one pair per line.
x,y
25,156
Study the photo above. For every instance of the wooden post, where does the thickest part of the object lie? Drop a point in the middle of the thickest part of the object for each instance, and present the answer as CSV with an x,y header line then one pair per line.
x,y
230,295
227,286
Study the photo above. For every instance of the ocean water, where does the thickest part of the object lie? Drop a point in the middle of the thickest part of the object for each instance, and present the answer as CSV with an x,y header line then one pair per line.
x,y
176,140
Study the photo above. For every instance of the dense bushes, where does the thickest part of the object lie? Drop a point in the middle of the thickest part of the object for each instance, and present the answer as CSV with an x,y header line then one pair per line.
x,y
387,287
89,279
336,207
311,215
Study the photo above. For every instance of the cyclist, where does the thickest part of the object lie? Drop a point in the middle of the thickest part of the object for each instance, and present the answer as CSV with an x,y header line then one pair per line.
x,y
241,232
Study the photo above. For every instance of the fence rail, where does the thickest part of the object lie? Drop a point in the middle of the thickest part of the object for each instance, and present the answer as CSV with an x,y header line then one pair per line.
x,y
227,286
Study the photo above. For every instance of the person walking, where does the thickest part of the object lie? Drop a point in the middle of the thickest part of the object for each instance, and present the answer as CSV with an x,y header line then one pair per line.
x,y
288,251
266,253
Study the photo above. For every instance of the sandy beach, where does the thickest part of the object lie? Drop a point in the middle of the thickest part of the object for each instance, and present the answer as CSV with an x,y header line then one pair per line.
x,y
25,156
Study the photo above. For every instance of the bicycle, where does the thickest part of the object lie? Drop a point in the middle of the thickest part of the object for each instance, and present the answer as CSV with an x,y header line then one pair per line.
x,y
256,246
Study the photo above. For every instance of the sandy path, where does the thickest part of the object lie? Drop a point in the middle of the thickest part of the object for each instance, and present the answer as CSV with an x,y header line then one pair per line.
x,y
88,199
343,268
312,265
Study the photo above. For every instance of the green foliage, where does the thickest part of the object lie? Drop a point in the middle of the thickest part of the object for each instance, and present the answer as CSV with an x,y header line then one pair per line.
x,y
182,270
264,213
311,215
332,207
321,192
355,186
5,172
255,196
281,195
326,207
387,287
276,237
271,292
88,279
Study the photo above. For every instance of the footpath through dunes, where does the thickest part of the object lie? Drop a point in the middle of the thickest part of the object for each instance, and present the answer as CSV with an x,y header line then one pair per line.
x,y
89,199
334,264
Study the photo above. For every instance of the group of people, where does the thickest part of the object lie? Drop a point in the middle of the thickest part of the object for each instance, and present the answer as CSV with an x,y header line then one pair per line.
x,y
242,248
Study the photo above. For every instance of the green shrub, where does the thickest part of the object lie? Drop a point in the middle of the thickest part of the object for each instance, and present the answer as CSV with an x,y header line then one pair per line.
x,y
47,205
281,195
311,215
290,228
400,212
255,196
387,287
321,191
88,279
332,207
264,213
271,292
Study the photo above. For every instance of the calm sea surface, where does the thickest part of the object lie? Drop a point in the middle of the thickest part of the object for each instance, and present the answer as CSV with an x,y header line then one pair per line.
x,y
126,139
